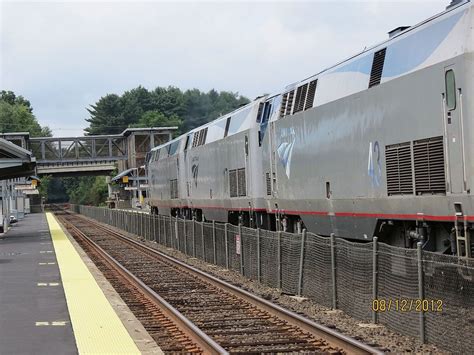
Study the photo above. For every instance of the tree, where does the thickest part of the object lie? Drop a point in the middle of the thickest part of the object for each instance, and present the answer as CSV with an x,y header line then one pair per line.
x,y
113,113
16,115
12,99
157,119
106,116
44,186
87,190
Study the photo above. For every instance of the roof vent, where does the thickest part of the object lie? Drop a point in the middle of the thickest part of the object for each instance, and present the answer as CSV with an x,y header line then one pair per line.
x,y
454,3
397,30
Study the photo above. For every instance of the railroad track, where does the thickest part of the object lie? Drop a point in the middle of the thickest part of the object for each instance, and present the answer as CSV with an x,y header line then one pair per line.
x,y
187,310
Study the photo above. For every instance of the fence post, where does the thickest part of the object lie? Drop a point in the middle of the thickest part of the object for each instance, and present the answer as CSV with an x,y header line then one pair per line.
x,y
259,271
279,260
300,275
214,251
185,236
194,237
375,272
333,271
162,228
148,226
176,232
421,290
171,232
132,223
141,219
226,239
159,239
145,226
203,246
154,227
241,249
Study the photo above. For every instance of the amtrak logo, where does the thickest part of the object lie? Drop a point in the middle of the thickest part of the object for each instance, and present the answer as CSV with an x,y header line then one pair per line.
x,y
374,170
195,170
285,148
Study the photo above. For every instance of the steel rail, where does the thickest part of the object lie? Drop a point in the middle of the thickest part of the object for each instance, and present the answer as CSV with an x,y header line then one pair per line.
x,y
202,340
334,338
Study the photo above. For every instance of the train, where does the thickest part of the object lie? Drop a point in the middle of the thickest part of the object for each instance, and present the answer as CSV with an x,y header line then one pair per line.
x,y
380,144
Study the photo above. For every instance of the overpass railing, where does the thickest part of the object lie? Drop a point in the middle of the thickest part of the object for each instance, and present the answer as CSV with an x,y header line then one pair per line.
x,y
89,148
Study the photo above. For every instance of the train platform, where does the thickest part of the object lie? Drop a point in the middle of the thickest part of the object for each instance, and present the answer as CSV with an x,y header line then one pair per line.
x,y
54,301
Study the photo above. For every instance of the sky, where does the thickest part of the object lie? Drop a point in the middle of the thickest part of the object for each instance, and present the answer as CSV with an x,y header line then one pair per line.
x,y
64,56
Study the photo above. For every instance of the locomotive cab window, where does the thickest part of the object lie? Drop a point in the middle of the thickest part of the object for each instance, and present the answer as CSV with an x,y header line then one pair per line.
x,y
450,90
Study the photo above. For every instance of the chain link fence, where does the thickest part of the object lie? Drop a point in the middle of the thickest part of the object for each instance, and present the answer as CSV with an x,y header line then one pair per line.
x,y
417,293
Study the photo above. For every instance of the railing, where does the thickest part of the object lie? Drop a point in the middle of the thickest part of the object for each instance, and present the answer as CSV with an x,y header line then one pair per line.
x,y
417,293
70,150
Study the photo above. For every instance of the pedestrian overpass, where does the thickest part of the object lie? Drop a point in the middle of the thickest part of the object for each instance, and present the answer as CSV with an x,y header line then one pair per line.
x,y
91,155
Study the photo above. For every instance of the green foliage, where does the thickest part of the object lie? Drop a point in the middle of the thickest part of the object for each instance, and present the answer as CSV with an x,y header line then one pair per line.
x,y
44,186
56,192
170,106
157,119
16,115
12,99
106,116
85,190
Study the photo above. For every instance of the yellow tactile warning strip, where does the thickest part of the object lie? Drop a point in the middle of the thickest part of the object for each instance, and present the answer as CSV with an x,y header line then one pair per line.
x,y
97,328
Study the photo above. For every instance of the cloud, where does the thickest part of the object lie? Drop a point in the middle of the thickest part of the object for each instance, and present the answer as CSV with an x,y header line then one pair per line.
x,y
63,56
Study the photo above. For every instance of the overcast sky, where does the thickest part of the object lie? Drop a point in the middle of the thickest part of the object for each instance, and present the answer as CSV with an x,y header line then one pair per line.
x,y
63,56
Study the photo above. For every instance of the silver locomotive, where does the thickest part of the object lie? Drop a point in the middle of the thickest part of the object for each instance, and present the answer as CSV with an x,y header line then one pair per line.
x,y
379,144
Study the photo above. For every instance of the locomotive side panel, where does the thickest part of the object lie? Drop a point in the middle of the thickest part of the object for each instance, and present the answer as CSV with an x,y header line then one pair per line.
x,y
335,174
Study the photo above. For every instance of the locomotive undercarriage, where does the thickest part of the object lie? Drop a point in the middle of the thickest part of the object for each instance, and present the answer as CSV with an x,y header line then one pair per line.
x,y
453,238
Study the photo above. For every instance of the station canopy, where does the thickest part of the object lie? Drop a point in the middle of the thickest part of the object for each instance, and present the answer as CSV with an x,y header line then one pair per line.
x,y
15,161
119,177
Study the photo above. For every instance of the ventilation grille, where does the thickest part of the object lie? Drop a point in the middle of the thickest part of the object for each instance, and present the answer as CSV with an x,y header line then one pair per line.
x,y
241,183
233,183
303,99
289,104
284,100
173,189
269,184
200,137
377,67
311,93
300,98
399,170
237,183
428,156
